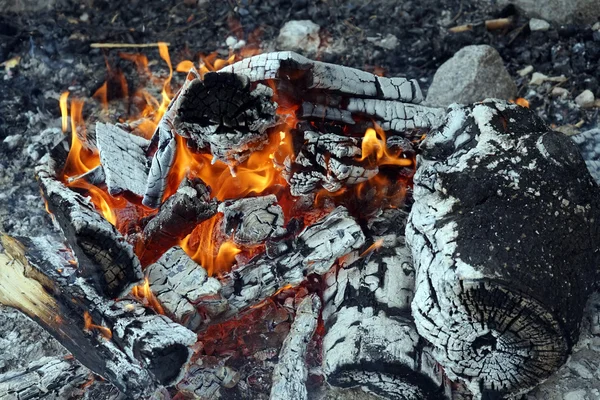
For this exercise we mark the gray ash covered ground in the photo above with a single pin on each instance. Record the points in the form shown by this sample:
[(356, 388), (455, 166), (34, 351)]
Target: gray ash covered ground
[(54, 46)]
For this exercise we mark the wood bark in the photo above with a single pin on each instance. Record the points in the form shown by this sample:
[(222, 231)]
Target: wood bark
[(105, 258), (505, 245), (132, 348)]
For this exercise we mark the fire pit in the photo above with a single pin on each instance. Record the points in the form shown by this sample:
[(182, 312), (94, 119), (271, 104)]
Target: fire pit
[(273, 204)]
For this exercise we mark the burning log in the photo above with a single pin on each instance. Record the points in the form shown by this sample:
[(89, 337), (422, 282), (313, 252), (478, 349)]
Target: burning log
[(371, 340), (162, 162), (179, 284), (252, 220), (504, 238), (118, 340), (291, 372), (123, 158), (49, 377), (105, 259), (94, 176), (314, 251), (178, 216)]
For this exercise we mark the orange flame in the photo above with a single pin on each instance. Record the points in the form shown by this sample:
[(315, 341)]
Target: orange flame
[(374, 146), (89, 325), (145, 295), (375, 246), (64, 113)]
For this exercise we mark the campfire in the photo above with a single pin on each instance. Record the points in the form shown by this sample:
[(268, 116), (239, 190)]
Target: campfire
[(271, 205)]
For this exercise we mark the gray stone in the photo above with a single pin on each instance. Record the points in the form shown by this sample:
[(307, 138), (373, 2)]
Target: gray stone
[(559, 11), (13, 141), (300, 36), (586, 99), (389, 42), (473, 74), (538, 25)]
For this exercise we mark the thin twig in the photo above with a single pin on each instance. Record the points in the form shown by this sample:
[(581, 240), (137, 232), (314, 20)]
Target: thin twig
[(125, 45)]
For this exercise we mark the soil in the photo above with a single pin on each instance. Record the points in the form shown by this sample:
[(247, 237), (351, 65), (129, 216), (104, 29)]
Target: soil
[(55, 55)]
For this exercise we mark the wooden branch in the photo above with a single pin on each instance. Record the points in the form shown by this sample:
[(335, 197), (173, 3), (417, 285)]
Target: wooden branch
[(126, 45), (291, 371), (105, 259), (504, 240), (119, 340)]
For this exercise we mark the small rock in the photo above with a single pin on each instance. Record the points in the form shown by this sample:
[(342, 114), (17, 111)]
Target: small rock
[(560, 92), (233, 43), (84, 17), (525, 71), (538, 25), (538, 78), (299, 36), (13, 141), (473, 74), (596, 26), (389, 42), (575, 395), (586, 99), (558, 11)]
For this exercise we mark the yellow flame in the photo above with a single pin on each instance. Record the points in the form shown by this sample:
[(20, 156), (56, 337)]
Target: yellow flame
[(64, 111)]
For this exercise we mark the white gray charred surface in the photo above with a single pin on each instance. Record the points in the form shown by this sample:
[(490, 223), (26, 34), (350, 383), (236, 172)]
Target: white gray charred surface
[(316, 249), (370, 338), (46, 378), (206, 382), (589, 146), (252, 220), (291, 371), (105, 258), (145, 351), (504, 238), (123, 158), (179, 283), (178, 216)]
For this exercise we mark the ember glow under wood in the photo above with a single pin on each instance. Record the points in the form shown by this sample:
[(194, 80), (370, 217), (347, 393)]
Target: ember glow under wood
[(504, 238), (132, 348)]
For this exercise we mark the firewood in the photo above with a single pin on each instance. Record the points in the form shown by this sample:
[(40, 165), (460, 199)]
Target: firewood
[(46, 378), (368, 326), (321, 111), (126, 344), (205, 382), (177, 217), (123, 158), (94, 176), (504, 239), (252, 220), (291, 372), (105, 258)]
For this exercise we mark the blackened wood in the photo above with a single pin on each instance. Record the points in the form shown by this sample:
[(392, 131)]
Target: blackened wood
[(291, 371), (179, 283), (104, 256), (504, 237), (121, 341), (252, 220), (370, 338), (123, 158), (177, 217)]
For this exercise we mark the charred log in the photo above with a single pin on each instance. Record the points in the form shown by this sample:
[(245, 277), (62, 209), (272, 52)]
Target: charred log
[(252, 220), (370, 338), (504, 240), (205, 382), (105, 259), (135, 350), (123, 158), (94, 176), (177, 217), (291, 372), (162, 161)]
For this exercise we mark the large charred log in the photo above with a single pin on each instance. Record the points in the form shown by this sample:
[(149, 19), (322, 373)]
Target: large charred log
[(126, 344), (370, 338), (504, 237), (105, 259)]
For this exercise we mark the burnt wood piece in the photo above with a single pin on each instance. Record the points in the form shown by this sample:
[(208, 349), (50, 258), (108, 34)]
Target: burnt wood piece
[(224, 114), (126, 344), (291, 371), (206, 381), (326, 161), (324, 76), (316, 249), (179, 283), (252, 220), (325, 112), (370, 338), (589, 146), (94, 176), (46, 378), (504, 237), (177, 217), (123, 158), (105, 258)]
